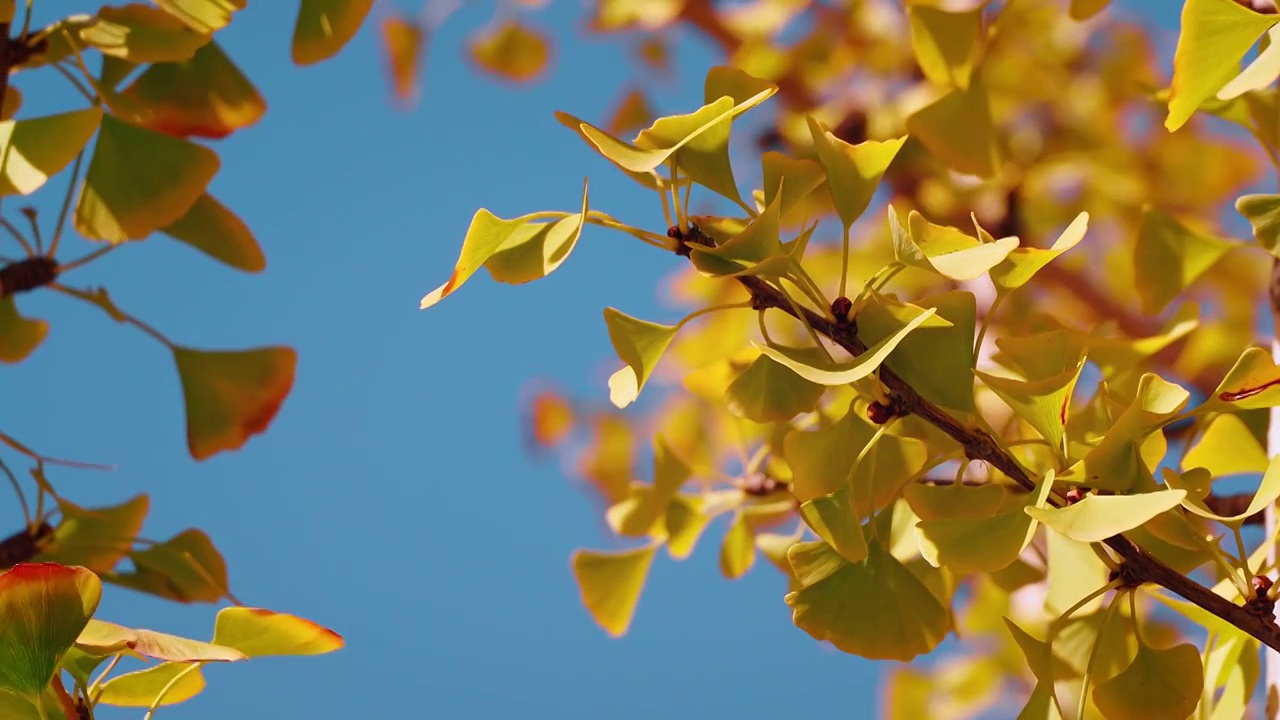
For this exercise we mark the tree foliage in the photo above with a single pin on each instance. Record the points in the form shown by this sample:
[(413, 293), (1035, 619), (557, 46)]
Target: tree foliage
[(969, 347)]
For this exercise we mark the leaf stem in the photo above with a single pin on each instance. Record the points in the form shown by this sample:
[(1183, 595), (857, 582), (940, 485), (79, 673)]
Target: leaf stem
[(84, 91), (659, 241), (118, 315), (86, 259), (94, 688), (17, 235), (713, 308), (986, 323), (17, 489), (844, 262), (1093, 655), (1065, 616), (66, 204), (169, 686)]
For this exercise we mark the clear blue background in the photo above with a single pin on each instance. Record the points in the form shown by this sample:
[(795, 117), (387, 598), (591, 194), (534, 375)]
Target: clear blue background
[(392, 499)]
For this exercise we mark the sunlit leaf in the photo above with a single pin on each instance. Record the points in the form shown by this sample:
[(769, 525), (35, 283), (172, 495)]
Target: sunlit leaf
[(616, 15), (512, 51), (911, 625), (641, 513), (640, 345), (856, 369), (1116, 462), (768, 392), (142, 34), (835, 519), (1252, 383), (1169, 257), (981, 544), (402, 46), (684, 524), (203, 16), (260, 633), (43, 608), (231, 395), (936, 361), (738, 551), (1266, 494), (1226, 447), (790, 179), (946, 250), (821, 460), (324, 27), (955, 500), (210, 227), (141, 687), (19, 336), (1263, 213), (758, 242), (187, 568), (1215, 35), (947, 44), (96, 538), (853, 171), (1044, 403), (105, 638), (551, 418), (1164, 683), (1098, 517), (538, 249), (36, 149), (1077, 573), (610, 584), (125, 199), (957, 128), (1022, 263), (205, 96)]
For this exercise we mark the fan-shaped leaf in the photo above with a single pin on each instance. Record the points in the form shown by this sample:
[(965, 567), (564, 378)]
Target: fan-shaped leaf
[(980, 544), (1215, 36), (1226, 447), (512, 51), (34, 150), (96, 538), (43, 608), (402, 44), (1266, 494), (210, 227), (1022, 263), (142, 34), (640, 345), (1157, 684), (203, 16), (949, 252), (958, 130), (858, 368), (179, 681), (853, 171), (1169, 257), (19, 336), (324, 27), (937, 362), (1252, 383), (835, 519), (1098, 517), (1043, 403), (738, 551), (610, 584), (232, 395), (947, 44), (205, 96), (768, 392), (1263, 213), (259, 633)]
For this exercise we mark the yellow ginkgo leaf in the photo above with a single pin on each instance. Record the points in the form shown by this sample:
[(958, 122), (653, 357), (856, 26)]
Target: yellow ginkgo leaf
[(512, 51)]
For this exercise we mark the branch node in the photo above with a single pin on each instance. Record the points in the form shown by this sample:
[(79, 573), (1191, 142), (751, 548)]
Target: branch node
[(1129, 575), (685, 240), (29, 274), (24, 545)]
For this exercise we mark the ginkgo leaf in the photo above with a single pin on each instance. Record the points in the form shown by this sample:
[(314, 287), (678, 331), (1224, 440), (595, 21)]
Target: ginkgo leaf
[(617, 15), (95, 538), (1098, 517), (738, 551), (36, 149), (758, 242), (947, 44), (853, 171), (1169, 256), (1258, 74), (981, 544), (552, 418), (897, 618), (632, 113), (956, 500), (107, 638), (1077, 574), (232, 395), (205, 96), (610, 584), (1116, 462), (1044, 403), (257, 632), (949, 252), (640, 345), (957, 128), (142, 34), (204, 16), (1263, 213), (43, 608), (19, 336), (936, 361), (1215, 35), (324, 27), (526, 256), (402, 44), (643, 511), (834, 518), (179, 681), (789, 180), (1022, 263), (1252, 383), (1266, 494), (768, 392), (1226, 447), (858, 368), (821, 461), (123, 199), (1084, 9), (647, 178), (211, 227), (1158, 684), (684, 524), (512, 51), (185, 568)]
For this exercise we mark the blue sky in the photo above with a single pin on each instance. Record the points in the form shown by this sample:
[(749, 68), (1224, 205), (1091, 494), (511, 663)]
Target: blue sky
[(391, 500)]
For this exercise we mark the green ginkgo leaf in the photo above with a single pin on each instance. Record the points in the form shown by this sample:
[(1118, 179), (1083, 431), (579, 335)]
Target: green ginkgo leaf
[(957, 128), (640, 514), (639, 344), (323, 27), (1040, 355), (649, 179), (1098, 517), (43, 608), (210, 227), (179, 681), (187, 568), (950, 252), (738, 551), (768, 392), (757, 243), (954, 500), (821, 460), (1077, 574), (610, 584), (1044, 403), (789, 180), (1158, 684), (95, 538), (1253, 382), (142, 34), (258, 632), (1259, 73), (947, 44), (684, 523), (232, 395), (981, 544), (1022, 263), (936, 361), (20, 336), (125, 199), (835, 519), (1226, 447), (1263, 213), (204, 16), (1116, 462), (1169, 257), (206, 96), (897, 617), (36, 149), (853, 171), (527, 256), (856, 369), (1215, 35), (1266, 494)]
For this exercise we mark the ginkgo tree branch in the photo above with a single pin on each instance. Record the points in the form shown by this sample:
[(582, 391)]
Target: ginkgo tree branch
[(1138, 566)]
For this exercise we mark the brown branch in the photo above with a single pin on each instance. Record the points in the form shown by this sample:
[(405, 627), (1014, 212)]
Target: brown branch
[(1138, 565)]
